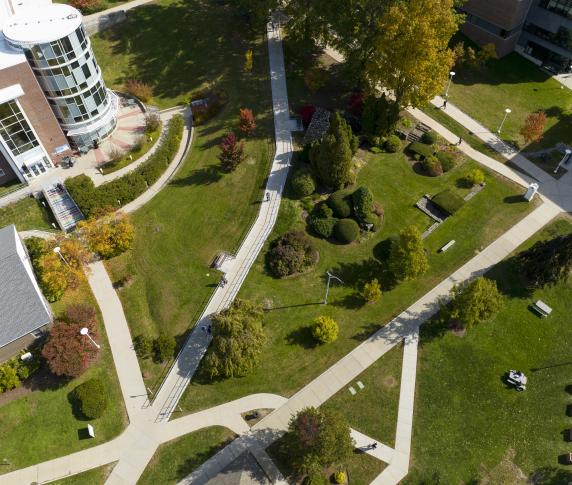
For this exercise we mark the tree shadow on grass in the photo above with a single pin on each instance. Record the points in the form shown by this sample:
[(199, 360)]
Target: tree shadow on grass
[(303, 337), (197, 459), (509, 280), (366, 331), (350, 302), (76, 407), (356, 274), (551, 475), (514, 199), (203, 176)]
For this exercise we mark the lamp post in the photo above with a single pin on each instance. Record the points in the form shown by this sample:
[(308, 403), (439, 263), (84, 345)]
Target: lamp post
[(85, 331), (58, 251), (506, 113), (330, 277), (451, 75), (566, 156)]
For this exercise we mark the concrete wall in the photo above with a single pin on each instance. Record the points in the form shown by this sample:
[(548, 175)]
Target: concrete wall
[(102, 22), (36, 108), (506, 14), (482, 37), (15, 347), (9, 174)]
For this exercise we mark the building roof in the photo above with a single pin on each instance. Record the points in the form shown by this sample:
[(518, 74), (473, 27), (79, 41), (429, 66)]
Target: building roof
[(23, 308), (42, 24)]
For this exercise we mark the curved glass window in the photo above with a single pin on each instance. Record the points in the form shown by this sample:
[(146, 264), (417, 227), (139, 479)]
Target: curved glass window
[(58, 51)]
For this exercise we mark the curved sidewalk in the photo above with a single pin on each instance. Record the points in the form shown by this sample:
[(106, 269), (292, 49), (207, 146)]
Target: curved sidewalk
[(196, 345)]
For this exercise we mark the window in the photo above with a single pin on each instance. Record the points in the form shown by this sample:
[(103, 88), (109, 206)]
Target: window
[(15, 130), (561, 7), (37, 334)]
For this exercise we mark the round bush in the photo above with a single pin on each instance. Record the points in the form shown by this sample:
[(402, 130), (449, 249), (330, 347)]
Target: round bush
[(340, 477), (340, 203), (92, 398), (448, 161), (475, 177), (325, 330), (429, 138), (393, 144), (302, 184), (373, 218), (291, 253), (362, 200), (322, 226), (322, 210), (432, 166), (346, 231)]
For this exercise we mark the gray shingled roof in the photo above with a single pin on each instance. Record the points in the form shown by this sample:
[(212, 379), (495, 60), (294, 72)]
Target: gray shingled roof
[(22, 306)]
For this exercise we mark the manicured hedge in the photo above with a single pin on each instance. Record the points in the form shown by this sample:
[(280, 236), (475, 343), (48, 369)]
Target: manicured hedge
[(448, 161), (429, 138), (421, 149), (340, 202), (302, 184), (123, 190), (92, 398), (322, 226), (392, 144), (362, 199), (449, 201), (346, 231)]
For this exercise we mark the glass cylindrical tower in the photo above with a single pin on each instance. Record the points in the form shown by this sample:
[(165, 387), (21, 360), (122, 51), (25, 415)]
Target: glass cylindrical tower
[(59, 52)]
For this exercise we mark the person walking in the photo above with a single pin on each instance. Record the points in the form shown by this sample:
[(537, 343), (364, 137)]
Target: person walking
[(267, 196), (460, 141), (445, 104), (373, 446)]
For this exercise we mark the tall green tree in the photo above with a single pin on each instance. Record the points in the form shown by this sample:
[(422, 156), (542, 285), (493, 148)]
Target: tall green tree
[(411, 57), (255, 11), (547, 262), (475, 302), (317, 439), (238, 339), (407, 258), (380, 115), (331, 158)]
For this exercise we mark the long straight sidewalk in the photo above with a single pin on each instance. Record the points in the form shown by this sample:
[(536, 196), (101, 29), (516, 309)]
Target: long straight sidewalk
[(196, 345)]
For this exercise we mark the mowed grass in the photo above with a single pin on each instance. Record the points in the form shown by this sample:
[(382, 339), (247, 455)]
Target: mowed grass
[(40, 425), (290, 352), (202, 211), (175, 459), (178, 47), (96, 476), (516, 83), (26, 214), (373, 409), (466, 416)]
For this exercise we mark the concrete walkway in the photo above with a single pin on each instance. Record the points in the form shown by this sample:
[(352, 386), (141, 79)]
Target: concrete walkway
[(194, 349), (119, 8)]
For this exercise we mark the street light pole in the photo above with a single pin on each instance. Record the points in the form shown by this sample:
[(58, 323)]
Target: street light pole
[(506, 113), (58, 251), (330, 276), (566, 156), (85, 331), (451, 74)]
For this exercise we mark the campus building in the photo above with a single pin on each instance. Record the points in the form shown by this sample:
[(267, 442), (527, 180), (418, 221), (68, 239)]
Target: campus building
[(539, 29), (24, 312), (52, 95)]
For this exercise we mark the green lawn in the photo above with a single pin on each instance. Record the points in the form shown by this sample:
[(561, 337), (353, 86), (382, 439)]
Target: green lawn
[(514, 82), (290, 352), (27, 214), (96, 476), (202, 211), (41, 425), (10, 187), (464, 414), (176, 459), (149, 141), (373, 409)]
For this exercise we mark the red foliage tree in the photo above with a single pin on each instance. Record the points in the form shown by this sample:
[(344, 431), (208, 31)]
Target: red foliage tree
[(67, 352), (306, 112), (86, 6), (247, 121), (231, 152), (533, 127)]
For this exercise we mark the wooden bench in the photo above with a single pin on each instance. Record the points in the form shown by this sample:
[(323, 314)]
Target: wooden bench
[(217, 261), (541, 308), (447, 246)]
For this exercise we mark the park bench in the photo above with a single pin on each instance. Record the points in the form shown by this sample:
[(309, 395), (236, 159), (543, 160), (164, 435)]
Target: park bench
[(541, 308), (568, 434), (218, 260), (447, 246)]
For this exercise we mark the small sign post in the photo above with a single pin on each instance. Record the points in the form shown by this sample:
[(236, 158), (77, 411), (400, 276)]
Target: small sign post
[(90, 431)]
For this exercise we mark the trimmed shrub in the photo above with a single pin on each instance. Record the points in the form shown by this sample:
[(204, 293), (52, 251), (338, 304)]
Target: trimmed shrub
[(429, 138), (448, 161), (392, 144), (375, 150), (290, 254), (421, 149), (449, 201), (346, 231), (139, 89), (325, 330), (322, 226), (316, 479), (92, 200), (152, 122), (362, 200), (302, 184), (340, 477), (143, 346), (164, 347), (8, 378), (340, 203), (432, 166), (373, 218), (475, 177), (322, 210), (371, 291), (92, 398)]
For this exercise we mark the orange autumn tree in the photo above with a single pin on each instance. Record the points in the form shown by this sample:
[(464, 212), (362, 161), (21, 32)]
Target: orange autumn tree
[(533, 127), (247, 121)]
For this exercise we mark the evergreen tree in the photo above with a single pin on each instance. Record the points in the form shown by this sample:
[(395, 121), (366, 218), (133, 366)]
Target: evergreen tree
[(407, 258), (380, 116), (547, 262), (331, 158)]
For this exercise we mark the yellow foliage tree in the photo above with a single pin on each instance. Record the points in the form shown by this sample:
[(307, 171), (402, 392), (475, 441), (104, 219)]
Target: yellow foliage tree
[(108, 236), (248, 61), (412, 56)]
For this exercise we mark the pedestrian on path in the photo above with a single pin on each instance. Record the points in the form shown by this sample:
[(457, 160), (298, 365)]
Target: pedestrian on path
[(445, 103), (223, 282), (209, 330), (373, 446), (460, 141), (267, 196)]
